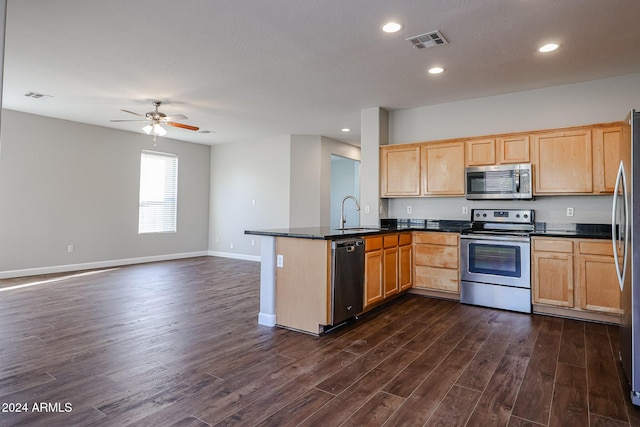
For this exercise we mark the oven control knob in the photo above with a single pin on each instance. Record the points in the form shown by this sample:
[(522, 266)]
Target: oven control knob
[(477, 214), (526, 216), (484, 215), (517, 215)]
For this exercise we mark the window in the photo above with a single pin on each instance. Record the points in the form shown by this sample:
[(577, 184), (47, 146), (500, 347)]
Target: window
[(158, 192)]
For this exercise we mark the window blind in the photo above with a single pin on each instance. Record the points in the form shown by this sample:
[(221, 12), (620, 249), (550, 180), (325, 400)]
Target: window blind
[(158, 192)]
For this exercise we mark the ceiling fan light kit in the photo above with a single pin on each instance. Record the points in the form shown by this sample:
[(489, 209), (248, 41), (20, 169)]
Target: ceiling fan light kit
[(155, 119)]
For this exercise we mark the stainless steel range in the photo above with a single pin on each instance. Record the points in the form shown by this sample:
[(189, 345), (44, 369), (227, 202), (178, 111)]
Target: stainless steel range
[(495, 259)]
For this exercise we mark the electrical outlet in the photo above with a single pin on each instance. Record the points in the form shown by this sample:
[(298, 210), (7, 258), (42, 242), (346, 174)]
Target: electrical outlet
[(366, 209), (253, 242), (569, 211), (280, 261), (230, 245), (70, 248), (465, 210), (409, 209)]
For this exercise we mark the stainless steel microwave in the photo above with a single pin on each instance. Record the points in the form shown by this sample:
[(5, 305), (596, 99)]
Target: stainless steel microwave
[(503, 182)]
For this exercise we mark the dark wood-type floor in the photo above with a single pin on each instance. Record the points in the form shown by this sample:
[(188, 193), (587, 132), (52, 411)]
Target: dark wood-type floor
[(177, 344)]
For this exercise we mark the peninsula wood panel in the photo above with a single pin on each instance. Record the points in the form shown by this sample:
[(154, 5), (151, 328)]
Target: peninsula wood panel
[(302, 287)]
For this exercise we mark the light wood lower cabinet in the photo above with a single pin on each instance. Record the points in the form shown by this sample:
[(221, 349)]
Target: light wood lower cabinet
[(387, 262), (405, 261), (390, 264), (575, 274), (436, 262)]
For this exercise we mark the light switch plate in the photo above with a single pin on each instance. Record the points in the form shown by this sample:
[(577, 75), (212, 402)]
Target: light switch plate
[(280, 261)]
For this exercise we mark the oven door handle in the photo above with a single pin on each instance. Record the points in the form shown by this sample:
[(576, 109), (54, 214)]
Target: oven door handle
[(519, 239)]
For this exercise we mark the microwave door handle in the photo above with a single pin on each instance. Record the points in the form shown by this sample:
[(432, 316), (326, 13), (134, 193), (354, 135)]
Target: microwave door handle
[(517, 171)]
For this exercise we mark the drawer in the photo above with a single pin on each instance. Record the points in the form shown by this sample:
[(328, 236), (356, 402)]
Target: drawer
[(436, 238), (441, 279), (405, 239), (390, 241), (603, 247), (373, 243), (553, 245), (436, 256)]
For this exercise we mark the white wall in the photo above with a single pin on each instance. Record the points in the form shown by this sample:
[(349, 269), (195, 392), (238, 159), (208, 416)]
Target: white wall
[(288, 176), (598, 101), (241, 173), (65, 183)]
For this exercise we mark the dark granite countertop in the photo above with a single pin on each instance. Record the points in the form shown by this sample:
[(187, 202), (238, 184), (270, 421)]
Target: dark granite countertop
[(573, 230), (585, 231)]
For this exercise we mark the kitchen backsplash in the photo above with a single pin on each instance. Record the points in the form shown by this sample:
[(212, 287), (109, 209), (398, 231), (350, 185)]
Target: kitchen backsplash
[(586, 209)]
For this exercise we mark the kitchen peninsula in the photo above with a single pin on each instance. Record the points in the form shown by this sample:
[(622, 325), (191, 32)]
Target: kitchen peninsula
[(397, 257), (299, 261)]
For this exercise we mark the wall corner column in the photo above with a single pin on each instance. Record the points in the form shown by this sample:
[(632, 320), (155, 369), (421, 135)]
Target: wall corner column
[(374, 131)]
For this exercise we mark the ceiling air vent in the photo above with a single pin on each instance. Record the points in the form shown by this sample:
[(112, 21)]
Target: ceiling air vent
[(35, 95), (430, 39)]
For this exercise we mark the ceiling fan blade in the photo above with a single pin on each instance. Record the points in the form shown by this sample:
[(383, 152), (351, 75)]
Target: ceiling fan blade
[(128, 120), (135, 114), (176, 117), (183, 126)]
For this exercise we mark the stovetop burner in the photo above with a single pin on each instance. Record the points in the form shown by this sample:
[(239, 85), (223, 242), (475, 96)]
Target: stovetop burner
[(504, 221)]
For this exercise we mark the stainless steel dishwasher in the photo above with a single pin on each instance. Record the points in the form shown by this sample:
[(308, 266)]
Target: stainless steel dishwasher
[(347, 279)]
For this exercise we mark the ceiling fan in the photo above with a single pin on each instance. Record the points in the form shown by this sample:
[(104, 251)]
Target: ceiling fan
[(156, 119)]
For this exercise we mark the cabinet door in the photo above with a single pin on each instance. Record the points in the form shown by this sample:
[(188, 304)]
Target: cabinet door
[(552, 278), (372, 278), (390, 271), (400, 171), (442, 169), (597, 276), (481, 152), (513, 149), (562, 162), (404, 265), (606, 158)]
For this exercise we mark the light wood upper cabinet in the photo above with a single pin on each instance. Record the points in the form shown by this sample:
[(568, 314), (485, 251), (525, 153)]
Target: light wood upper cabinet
[(578, 160), (563, 162), (400, 171), (481, 152), (442, 169), (513, 149), (607, 153)]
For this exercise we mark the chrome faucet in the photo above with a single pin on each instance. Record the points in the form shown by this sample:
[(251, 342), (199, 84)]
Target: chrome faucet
[(343, 220)]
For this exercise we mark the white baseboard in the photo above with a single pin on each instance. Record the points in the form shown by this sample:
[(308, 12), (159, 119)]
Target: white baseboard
[(235, 256), (267, 319), (98, 264)]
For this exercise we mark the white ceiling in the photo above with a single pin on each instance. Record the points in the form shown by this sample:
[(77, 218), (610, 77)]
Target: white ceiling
[(251, 69)]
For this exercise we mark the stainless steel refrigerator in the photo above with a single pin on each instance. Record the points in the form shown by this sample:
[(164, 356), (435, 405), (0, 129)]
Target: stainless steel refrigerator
[(625, 225)]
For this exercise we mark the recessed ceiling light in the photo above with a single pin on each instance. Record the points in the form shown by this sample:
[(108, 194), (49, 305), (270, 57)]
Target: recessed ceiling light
[(391, 27), (345, 130), (549, 47), (436, 70)]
